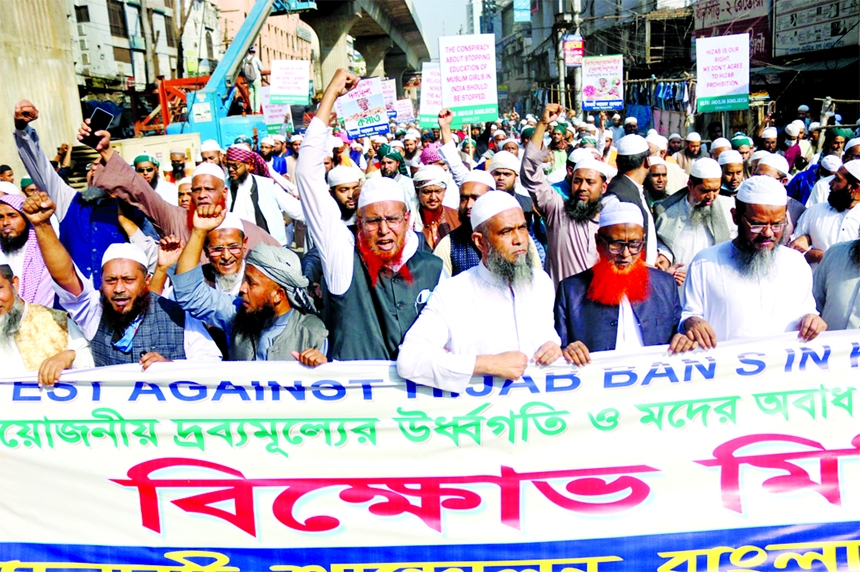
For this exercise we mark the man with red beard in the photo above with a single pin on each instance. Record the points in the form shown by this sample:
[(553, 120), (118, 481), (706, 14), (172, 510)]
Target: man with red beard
[(431, 182), (377, 282), (620, 303), (491, 319), (207, 188)]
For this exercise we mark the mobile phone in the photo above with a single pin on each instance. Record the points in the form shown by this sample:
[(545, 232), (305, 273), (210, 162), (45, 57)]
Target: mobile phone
[(99, 121)]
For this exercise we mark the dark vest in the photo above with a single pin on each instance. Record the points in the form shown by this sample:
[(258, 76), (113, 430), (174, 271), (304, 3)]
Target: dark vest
[(367, 322), (304, 331), (464, 254), (161, 331), (627, 192)]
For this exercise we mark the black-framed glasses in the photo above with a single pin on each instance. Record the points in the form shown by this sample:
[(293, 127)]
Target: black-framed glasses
[(219, 250), (758, 228), (393, 222), (618, 246)]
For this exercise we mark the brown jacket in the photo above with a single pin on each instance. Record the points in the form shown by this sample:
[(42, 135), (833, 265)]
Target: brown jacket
[(436, 230)]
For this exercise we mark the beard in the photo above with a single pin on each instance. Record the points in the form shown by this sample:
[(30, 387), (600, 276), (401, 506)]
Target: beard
[(840, 200), (701, 214), (118, 322), (251, 323), (376, 259), (610, 284), (93, 194), (581, 211), (752, 263), (511, 274), (235, 182), (10, 244), (389, 175), (226, 282), (346, 212), (10, 322)]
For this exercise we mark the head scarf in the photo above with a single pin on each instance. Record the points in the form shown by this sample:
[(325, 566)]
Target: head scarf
[(740, 140), (34, 264), (386, 150), (430, 154), (239, 153), (839, 132), (283, 267), (26, 182), (146, 157)]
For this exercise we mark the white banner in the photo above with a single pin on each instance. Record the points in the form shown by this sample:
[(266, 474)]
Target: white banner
[(290, 82), (723, 73), (467, 65)]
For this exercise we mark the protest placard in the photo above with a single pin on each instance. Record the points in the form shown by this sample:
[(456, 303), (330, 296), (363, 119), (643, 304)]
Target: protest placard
[(363, 109), (389, 96), (602, 83), (274, 114), (405, 110), (290, 81), (467, 65), (723, 73)]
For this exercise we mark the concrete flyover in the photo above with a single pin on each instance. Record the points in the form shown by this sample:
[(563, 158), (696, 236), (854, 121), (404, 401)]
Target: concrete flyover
[(387, 33)]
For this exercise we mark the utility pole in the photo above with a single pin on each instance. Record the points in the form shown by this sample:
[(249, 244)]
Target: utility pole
[(562, 19)]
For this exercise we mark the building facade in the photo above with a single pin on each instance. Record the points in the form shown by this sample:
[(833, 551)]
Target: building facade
[(281, 37)]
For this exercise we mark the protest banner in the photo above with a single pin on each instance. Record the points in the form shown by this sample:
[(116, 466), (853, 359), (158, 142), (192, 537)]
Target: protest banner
[(574, 50), (290, 81), (467, 65), (430, 103), (274, 114), (405, 110), (362, 110), (389, 96), (742, 457), (723, 73), (602, 83)]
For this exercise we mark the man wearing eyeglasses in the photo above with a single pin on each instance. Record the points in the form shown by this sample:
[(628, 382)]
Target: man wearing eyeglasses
[(619, 303), (377, 281), (751, 286), (431, 182)]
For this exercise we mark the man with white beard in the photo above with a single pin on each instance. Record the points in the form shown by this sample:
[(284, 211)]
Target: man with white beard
[(751, 286), (492, 319), (36, 338)]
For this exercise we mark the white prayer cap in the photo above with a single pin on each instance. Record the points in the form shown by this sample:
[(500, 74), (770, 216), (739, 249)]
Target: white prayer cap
[(591, 163), (279, 137), (210, 145), (650, 133), (127, 251), (185, 181), (177, 150), (706, 168), (578, 155), (778, 162), (479, 176), (758, 155), (731, 157), (297, 137), (589, 119), (267, 141), (831, 163), (231, 221), (657, 161), (507, 141), (761, 190), (675, 136), (851, 143), (334, 142), (523, 122), (607, 134), (792, 130), (814, 125), (853, 167), (693, 137), (803, 108), (342, 175), (209, 169), (630, 120), (396, 143), (379, 190), (378, 139), (590, 128), (500, 132), (490, 204), (721, 142), (658, 141), (617, 212), (616, 116), (504, 160), (412, 135), (800, 124), (769, 133), (631, 145), (430, 176), (10, 189)]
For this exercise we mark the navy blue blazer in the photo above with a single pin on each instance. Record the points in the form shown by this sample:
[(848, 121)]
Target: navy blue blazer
[(579, 319)]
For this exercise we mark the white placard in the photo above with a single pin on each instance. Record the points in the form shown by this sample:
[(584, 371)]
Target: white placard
[(468, 74), (723, 73), (289, 82)]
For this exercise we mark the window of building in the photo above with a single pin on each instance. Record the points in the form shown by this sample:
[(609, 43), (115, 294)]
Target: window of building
[(210, 48), (82, 14), (116, 15), (122, 55), (169, 32)]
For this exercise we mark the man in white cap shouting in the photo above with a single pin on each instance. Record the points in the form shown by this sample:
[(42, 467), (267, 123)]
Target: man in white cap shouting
[(491, 319), (751, 286), (124, 321), (692, 151), (571, 222), (694, 220), (208, 186), (377, 282), (837, 220), (633, 166), (620, 303), (732, 167), (272, 318)]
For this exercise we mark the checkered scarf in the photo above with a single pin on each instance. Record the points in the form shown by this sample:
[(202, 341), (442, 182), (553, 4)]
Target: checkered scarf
[(34, 264), (239, 153)]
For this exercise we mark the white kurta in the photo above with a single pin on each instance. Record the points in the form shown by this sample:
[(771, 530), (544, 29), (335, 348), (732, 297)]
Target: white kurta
[(827, 226), (820, 191), (629, 336), (747, 307), (471, 315), (167, 191), (13, 363)]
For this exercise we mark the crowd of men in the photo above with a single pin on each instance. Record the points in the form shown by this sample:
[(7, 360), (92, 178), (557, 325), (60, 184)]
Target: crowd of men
[(456, 254)]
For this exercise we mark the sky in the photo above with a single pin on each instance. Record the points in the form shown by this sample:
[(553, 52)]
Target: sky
[(440, 18)]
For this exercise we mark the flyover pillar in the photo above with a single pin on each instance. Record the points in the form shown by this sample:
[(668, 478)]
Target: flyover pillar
[(332, 27), (374, 50), (395, 65)]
